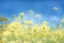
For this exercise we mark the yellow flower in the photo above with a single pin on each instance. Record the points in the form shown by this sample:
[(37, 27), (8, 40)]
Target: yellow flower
[(11, 42), (37, 16), (1, 41), (44, 22), (22, 14), (26, 42), (60, 26), (48, 28), (57, 42), (30, 11), (6, 33), (28, 22), (53, 39), (4, 39), (35, 28), (14, 26), (62, 20)]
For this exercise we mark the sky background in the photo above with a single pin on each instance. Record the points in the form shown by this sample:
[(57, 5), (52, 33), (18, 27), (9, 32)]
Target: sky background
[(42, 7)]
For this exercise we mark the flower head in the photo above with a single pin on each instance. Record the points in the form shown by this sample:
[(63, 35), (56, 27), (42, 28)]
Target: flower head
[(30, 11), (28, 22), (37, 16), (22, 14)]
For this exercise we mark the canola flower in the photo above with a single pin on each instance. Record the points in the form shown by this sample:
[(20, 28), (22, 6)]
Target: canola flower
[(55, 8), (28, 32), (37, 16), (29, 22), (30, 11), (14, 16), (22, 14), (62, 20)]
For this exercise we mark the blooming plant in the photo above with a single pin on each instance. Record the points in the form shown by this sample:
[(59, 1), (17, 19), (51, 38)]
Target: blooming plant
[(25, 31)]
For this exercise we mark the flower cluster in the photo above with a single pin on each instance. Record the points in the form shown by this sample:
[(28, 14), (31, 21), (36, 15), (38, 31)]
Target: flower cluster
[(25, 31)]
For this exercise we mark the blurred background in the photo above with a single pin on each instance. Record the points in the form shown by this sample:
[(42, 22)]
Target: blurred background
[(50, 10)]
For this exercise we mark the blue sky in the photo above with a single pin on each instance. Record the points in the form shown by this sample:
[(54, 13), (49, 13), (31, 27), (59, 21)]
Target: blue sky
[(43, 7)]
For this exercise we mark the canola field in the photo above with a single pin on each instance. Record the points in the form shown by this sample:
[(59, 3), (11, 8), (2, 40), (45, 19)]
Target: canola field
[(25, 31)]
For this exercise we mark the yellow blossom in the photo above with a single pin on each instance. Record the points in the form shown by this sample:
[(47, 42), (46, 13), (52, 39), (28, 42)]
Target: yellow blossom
[(37, 16), (62, 20), (6, 33), (30, 11), (21, 15), (28, 22)]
